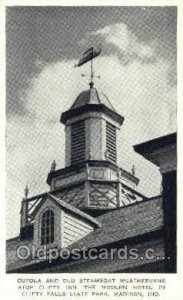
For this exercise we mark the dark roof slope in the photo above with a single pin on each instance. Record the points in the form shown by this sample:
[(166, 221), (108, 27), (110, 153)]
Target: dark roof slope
[(12, 260), (90, 100), (126, 222), (90, 96)]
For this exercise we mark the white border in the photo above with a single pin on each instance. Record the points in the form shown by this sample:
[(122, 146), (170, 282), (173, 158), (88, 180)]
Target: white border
[(174, 289)]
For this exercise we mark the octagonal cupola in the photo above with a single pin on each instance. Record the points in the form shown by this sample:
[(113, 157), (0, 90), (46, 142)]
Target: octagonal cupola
[(91, 128)]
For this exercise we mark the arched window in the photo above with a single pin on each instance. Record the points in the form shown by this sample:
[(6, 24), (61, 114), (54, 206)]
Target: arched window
[(47, 227)]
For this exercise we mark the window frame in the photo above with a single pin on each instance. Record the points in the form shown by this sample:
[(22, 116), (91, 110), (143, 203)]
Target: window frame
[(47, 230)]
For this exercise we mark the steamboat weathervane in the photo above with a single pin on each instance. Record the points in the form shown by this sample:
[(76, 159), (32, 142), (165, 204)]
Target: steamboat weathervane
[(87, 56)]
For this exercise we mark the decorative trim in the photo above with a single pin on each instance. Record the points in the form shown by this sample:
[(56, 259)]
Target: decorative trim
[(95, 163)]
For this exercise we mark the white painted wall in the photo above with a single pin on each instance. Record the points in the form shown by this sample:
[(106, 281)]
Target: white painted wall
[(73, 229)]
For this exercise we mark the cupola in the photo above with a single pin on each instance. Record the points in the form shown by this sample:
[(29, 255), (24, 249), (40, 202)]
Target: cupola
[(91, 128)]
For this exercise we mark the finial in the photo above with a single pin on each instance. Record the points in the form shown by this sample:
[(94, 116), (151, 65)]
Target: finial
[(133, 170), (26, 191), (53, 166), (91, 84)]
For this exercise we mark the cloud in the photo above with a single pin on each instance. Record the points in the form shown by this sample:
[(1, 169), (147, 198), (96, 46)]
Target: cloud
[(119, 40), (35, 139)]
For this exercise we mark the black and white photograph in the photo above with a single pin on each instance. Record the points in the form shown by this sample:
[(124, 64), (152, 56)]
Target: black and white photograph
[(91, 139)]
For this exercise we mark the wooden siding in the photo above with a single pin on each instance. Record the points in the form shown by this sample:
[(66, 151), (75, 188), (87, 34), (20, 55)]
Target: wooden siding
[(74, 229)]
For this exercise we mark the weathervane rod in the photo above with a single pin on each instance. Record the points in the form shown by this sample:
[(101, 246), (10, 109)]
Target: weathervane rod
[(91, 75)]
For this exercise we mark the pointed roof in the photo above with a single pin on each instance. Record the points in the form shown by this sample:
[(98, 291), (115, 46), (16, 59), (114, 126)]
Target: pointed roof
[(87, 97), (91, 100), (91, 96)]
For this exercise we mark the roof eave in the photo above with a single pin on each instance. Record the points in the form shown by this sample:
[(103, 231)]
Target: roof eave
[(76, 211), (151, 149), (156, 144), (94, 108)]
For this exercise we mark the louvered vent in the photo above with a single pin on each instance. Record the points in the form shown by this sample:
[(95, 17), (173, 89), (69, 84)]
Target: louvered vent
[(111, 142), (78, 142)]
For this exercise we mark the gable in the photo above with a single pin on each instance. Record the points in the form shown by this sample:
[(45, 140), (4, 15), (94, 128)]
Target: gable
[(46, 203), (70, 224)]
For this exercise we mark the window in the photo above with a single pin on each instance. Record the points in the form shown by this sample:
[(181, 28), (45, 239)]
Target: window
[(47, 227), (78, 142), (111, 142)]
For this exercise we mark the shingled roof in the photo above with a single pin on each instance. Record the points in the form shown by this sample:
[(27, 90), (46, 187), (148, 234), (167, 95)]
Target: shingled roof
[(121, 224), (126, 222)]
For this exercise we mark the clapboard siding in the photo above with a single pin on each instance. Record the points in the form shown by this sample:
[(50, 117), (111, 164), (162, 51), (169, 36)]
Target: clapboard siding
[(74, 229), (75, 221)]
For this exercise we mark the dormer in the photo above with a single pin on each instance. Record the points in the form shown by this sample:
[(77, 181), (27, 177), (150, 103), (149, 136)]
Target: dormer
[(58, 224)]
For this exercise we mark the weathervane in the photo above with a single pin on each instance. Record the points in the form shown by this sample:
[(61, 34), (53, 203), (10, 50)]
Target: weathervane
[(89, 55)]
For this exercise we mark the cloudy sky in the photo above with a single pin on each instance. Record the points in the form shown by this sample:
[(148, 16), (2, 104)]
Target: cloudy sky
[(138, 74)]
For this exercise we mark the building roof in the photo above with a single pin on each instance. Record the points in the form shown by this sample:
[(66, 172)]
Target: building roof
[(156, 144), (91, 96), (160, 151), (91, 100), (124, 223), (128, 222)]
